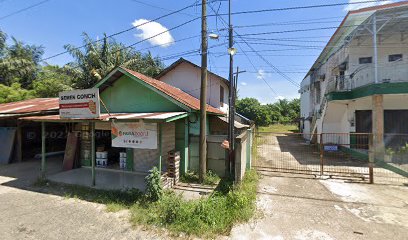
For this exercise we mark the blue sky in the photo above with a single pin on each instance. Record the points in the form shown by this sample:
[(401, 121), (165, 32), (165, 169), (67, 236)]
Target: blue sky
[(55, 23)]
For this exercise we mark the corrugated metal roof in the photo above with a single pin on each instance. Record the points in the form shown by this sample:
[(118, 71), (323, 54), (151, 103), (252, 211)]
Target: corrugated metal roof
[(30, 106), (107, 117), (236, 124)]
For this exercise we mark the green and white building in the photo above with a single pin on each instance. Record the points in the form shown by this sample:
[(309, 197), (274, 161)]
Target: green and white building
[(359, 82)]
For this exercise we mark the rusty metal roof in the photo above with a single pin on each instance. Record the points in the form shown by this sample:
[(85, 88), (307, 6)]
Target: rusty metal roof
[(30, 106), (107, 117)]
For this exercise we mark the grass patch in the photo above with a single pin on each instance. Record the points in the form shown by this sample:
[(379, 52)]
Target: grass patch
[(210, 178), (206, 217), (279, 128)]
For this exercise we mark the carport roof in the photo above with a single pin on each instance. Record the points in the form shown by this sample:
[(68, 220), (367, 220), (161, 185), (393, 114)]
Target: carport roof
[(158, 116), (30, 106)]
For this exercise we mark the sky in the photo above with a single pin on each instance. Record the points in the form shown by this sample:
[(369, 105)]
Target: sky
[(284, 41)]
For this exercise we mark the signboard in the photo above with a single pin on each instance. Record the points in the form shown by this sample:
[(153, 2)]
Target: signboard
[(134, 135), (331, 148), (79, 103)]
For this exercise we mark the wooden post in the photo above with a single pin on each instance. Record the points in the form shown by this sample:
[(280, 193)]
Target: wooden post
[(203, 95), (321, 154), (93, 152), (371, 158), (43, 150)]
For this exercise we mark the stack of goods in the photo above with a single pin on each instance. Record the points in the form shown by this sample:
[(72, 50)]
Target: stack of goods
[(101, 159), (122, 160), (173, 165)]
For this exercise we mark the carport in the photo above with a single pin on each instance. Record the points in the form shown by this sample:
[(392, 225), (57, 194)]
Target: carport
[(111, 178)]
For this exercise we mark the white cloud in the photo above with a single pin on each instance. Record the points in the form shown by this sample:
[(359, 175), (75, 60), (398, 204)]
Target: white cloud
[(279, 97), (369, 3), (243, 83), (151, 29), (261, 74)]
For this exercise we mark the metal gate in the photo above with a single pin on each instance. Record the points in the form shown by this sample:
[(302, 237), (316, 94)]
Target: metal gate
[(333, 155), (336, 155)]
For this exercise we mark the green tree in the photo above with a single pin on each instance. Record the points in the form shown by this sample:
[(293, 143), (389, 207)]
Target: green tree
[(19, 62), (14, 93), (252, 109), (50, 81), (93, 62), (283, 111)]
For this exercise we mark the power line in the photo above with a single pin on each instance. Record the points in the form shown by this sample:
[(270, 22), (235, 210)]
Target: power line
[(300, 7), (23, 9), (123, 31), (248, 58)]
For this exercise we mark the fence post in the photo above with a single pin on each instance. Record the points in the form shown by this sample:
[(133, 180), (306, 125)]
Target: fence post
[(371, 158), (321, 154)]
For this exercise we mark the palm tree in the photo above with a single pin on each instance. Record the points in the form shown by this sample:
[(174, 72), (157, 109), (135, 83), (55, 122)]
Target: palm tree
[(19, 62), (98, 58)]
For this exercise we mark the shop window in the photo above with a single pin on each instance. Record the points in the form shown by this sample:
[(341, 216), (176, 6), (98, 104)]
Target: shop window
[(394, 57), (365, 60)]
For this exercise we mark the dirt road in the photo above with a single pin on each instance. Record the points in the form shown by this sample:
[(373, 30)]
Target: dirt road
[(27, 214), (297, 207)]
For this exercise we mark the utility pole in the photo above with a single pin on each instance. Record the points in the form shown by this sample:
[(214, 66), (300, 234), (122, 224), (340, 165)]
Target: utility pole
[(230, 158), (203, 94)]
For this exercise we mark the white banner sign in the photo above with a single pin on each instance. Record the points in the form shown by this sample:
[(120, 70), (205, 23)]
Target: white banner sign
[(134, 135), (80, 103)]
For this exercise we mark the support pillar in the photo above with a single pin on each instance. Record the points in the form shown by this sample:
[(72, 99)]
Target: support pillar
[(19, 142), (43, 170), (375, 58), (378, 126), (93, 152), (160, 148)]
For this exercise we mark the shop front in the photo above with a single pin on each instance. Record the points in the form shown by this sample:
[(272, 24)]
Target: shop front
[(128, 123)]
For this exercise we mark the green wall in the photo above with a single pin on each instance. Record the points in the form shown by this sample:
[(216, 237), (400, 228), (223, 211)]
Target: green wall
[(127, 96), (372, 89), (182, 143)]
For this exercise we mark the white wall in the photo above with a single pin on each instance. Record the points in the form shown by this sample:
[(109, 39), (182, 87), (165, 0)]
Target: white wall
[(339, 113), (305, 104), (188, 78)]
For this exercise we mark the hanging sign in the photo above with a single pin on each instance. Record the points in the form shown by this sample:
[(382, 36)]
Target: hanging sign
[(79, 103), (134, 135)]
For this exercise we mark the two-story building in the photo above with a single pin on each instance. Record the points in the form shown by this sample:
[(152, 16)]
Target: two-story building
[(359, 82)]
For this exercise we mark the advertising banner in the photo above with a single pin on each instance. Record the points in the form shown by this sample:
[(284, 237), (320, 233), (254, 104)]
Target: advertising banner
[(79, 103), (134, 135)]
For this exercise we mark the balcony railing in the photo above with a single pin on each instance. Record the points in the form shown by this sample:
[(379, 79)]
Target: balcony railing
[(390, 73)]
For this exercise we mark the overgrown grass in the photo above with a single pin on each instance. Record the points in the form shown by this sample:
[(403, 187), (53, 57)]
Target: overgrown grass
[(192, 177), (279, 128), (206, 217)]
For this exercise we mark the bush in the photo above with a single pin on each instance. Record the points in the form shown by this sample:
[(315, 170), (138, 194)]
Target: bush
[(210, 178), (154, 189), (204, 217)]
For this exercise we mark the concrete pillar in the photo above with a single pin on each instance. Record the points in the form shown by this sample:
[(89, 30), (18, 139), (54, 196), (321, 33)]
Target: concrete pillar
[(160, 147), (43, 150), (93, 152), (378, 126), (19, 142)]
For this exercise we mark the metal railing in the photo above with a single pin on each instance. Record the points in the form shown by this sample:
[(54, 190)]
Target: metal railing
[(365, 75), (336, 155)]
